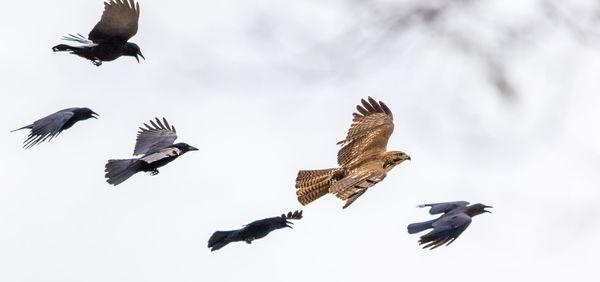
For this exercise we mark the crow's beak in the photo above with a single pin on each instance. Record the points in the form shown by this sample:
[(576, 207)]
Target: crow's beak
[(96, 115), (193, 148), (289, 222), (488, 207), (141, 55)]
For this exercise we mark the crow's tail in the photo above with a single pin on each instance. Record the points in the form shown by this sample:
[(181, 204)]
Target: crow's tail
[(418, 227), (313, 184), (219, 239), (24, 127), (63, 48), (118, 171)]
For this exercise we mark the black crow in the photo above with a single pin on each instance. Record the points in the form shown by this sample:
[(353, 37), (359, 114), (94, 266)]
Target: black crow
[(155, 143), (108, 40), (454, 221), (255, 230), (49, 127)]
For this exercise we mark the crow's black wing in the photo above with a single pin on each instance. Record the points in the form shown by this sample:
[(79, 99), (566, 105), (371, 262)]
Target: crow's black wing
[(444, 207), (119, 22), (154, 137), (446, 230), (47, 128)]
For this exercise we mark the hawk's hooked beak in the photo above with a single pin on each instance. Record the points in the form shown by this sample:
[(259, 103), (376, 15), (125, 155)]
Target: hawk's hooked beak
[(140, 54), (408, 157), (96, 115)]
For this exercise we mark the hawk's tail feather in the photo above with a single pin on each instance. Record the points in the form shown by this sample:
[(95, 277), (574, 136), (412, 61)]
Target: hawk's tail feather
[(118, 171), (313, 184)]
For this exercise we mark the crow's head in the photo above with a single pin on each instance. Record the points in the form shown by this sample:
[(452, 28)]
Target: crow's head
[(477, 209), (394, 158), (86, 113), (183, 147), (132, 49)]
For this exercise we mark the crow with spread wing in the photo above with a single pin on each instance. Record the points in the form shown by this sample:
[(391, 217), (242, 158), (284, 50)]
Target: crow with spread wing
[(155, 143), (364, 158), (49, 127), (454, 221), (108, 40), (255, 230)]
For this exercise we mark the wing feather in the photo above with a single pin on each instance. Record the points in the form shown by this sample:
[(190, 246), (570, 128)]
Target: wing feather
[(369, 133), (119, 21), (438, 208), (446, 230), (154, 137), (47, 128)]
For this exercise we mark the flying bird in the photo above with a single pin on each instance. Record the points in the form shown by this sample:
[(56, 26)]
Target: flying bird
[(49, 127), (155, 144), (255, 230), (446, 228), (364, 160), (108, 39)]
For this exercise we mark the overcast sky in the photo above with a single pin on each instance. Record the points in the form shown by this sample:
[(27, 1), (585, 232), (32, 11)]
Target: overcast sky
[(266, 88)]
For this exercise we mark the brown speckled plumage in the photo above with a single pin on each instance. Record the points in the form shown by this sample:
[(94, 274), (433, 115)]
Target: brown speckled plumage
[(363, 159)]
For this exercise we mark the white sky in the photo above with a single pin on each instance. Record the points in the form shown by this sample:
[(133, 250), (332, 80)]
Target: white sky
[(258, 88)]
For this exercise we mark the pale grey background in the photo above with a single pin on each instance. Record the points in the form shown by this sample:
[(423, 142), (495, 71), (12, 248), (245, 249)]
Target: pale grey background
[(496, 103)]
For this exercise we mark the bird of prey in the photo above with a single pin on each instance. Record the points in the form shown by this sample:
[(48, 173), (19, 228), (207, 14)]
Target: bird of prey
[(49, 127), (454, 221), (255, 230), (364, 160), (155, 143), (108, 39)]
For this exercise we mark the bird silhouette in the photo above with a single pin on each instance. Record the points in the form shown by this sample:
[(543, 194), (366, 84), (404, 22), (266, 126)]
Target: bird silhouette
[(49, 127), (454, 221), (252, 231), (364, 158), (155, 143), (108, 39)]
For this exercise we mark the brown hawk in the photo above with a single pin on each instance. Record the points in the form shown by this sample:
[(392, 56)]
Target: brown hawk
[(363, 159)]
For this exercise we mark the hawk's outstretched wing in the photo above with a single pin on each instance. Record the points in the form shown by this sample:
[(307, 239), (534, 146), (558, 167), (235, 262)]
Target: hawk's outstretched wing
[(444, 207), (368, 136), (154, 137), (47, 128), (119, 21)]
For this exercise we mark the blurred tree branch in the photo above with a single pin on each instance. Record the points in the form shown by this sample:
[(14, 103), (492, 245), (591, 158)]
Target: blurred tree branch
[(379, 22)]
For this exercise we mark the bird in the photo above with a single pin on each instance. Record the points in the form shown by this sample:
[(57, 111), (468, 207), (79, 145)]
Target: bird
[(155, 144), (364, 160), (50, 126), (454, 221), (108, 39), (252, 231)]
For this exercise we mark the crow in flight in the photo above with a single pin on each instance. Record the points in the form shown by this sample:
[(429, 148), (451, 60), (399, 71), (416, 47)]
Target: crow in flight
[(454, 221), (255, 230), (155, 143), (108, 40), (364, 160), (52, 125)]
